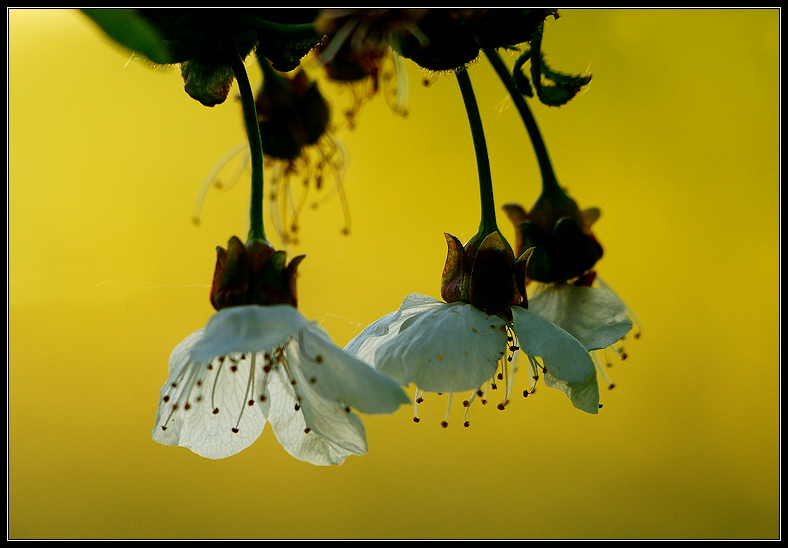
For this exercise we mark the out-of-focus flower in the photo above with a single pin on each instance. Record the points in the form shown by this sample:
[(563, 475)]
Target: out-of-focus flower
[(357, 51), (259, 360), (451, 38), (203, 41), (302, 154), (458, 345), (300, 148)]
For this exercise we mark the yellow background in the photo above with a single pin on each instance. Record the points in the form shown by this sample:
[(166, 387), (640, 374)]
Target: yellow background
[(676, 140)]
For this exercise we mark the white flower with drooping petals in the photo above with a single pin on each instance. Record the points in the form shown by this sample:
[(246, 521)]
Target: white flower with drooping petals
[(593, 314), (455, 347), (254, 364)]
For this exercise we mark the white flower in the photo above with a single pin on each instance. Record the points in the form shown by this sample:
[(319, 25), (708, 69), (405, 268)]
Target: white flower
[(255, 364), (455, 347), (594, 315)]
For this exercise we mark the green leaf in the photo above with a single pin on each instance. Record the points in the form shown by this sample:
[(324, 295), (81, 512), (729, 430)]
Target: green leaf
[(129, 29), (560, 87)]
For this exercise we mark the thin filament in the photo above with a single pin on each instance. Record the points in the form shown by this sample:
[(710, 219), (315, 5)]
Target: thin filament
[(247, 398)]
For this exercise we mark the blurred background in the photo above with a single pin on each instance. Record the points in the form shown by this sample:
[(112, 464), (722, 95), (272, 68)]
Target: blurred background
[(676, 140)]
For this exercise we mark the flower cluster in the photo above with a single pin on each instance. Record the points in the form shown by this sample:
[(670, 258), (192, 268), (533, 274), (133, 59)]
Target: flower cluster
[(539, 304), (459, 345)]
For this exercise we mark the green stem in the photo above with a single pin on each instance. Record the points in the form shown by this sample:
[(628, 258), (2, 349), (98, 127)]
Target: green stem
[(549, 180), (256, 226), (488, 225)]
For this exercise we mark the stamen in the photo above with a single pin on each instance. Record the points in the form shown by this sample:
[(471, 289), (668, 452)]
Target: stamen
[(279, 173), (467, 404), (533, 370), (249, 386), (483, 394), (512, 349), (333, 159), (400, 101), (336, 42), (295, 206), (318, 359), (416, 401), (601, 370), (285, 206), (215, 382), (211, 178), (445, 421), (182, 388), (281, 358)]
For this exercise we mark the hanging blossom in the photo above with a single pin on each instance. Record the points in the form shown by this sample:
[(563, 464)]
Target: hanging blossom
[(302, 154), (357, 52), (564, 286), (484, 320), (259, 360), (449, 39)]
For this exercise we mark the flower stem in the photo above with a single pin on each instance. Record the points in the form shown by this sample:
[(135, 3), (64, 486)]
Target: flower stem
[(256, 226), (488, 224), (549, 180)]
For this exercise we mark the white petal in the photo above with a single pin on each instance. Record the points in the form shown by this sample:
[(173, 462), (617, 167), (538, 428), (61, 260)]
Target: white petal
[(365, 344), (584, 396), (309, 427), (188, 402), (248, 328), (595, 317), (339, 377), (449, 348), (568, 363)]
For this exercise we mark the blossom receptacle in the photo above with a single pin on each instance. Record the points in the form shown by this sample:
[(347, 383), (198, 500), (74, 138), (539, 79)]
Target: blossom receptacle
[(483, 273), (253, 273)]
